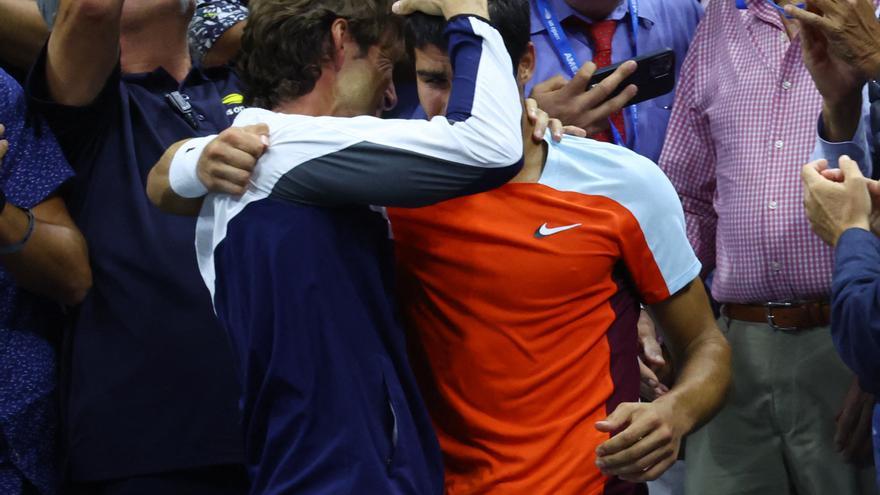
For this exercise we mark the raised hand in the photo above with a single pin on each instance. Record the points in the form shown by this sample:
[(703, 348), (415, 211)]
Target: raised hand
[(445, 8), (576, 103)]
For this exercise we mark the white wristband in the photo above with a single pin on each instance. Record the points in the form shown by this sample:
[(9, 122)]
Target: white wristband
[(183, 175)]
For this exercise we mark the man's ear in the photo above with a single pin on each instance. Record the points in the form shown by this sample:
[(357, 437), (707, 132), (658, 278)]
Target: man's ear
[(527, 63), (338, 35)]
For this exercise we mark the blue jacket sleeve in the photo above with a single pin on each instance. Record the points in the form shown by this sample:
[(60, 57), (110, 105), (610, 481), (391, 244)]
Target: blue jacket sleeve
[(855, 300)]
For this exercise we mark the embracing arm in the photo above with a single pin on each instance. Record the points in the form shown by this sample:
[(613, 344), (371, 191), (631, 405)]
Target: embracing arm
[(54, 262), (478, 145), (159, 187)]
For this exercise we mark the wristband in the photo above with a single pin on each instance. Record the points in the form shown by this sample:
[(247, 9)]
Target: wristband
[(18, 246), (183, 174)]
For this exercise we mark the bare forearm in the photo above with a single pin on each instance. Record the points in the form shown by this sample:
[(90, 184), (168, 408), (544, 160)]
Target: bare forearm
[(54, 261), (83, 49), (22, 32), (702, 382), (841, 118), (159, 188)]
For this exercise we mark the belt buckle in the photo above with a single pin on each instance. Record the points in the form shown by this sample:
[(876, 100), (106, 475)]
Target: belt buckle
[(771, 318)]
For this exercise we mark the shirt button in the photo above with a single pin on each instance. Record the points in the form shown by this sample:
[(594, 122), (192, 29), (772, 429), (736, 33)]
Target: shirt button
[(778, 144), (775, 266), (772, 205), (786, 85)]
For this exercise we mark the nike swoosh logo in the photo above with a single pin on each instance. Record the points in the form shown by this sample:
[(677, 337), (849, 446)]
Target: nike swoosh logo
[(187, 151), (545, 231)]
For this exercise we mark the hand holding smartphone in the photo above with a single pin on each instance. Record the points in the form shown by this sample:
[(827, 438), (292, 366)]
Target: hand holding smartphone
[(654, 76)]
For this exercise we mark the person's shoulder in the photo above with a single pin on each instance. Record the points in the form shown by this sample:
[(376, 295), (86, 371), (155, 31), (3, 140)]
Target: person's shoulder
[(604, 169)]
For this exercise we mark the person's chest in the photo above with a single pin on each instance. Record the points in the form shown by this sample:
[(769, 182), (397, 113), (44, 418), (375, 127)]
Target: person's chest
[(520, 246)]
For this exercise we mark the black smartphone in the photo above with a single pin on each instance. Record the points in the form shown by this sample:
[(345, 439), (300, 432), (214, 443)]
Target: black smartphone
[(655, 76)]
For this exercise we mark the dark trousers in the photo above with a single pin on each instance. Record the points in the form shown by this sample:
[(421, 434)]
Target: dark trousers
[(216, 480)]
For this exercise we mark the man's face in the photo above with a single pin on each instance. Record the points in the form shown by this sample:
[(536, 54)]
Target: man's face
[(433, 79), (364, 83)]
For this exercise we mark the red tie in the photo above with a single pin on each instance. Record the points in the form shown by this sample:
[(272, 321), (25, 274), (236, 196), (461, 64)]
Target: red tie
[(602, 33)]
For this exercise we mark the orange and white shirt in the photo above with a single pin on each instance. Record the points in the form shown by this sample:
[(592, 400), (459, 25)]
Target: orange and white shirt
[(524, 303)]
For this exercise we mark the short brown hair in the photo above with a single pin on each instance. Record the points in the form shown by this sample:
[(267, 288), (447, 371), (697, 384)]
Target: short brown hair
[(286, 42)]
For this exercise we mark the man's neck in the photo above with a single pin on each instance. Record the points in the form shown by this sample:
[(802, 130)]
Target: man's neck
[(534, 158), (320, 101), (162, 45)]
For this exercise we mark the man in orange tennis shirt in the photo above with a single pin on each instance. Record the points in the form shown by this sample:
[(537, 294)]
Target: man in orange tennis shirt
[(523, 303)]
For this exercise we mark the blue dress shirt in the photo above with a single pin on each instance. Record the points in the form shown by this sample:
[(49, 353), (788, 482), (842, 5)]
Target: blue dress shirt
[(32, 170), (662, 24)]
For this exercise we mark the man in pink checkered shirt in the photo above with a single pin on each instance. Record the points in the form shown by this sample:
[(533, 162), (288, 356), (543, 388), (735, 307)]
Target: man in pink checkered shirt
[(744, 122)]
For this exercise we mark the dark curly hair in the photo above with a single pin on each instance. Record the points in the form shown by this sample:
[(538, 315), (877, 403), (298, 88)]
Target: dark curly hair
[(510, 17), (286, 42)]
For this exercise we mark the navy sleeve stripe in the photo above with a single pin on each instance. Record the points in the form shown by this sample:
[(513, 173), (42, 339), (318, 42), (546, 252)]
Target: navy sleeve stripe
[(373, 174), (465, 52)]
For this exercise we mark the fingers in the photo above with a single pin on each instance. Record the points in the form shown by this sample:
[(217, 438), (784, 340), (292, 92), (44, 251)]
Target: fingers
[(860, 435), (652, 353), (810, 172), (581, 81), (617, 103), (808, 18), (532, 110), (874, 189), (617, 419), (603, 90), (636, 428), (640, 457), (572, 130), (252, 143), (407, 7), (555, 83), (2, 130), (833, 174), (653, 473), (849, 168), (557, 130), (650, 387), (261, 130), (541, 123)]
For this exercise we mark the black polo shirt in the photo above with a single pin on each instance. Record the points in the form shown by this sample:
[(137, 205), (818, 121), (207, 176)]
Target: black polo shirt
[(149, 383)]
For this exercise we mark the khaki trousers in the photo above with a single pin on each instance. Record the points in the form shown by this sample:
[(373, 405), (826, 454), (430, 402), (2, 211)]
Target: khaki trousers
[(775, 435)]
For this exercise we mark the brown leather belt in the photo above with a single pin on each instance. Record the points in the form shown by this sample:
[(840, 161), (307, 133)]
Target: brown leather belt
[(782, 316)]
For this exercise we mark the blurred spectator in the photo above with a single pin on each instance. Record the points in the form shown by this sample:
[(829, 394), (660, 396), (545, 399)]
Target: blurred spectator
[(42, 254), (842, 214), (842, 51), (745, 113), (215, 31), (150, 393), (22, 34), (609, 31)]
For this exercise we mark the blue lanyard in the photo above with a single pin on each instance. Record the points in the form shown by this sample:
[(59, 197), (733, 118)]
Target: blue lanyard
[(566, 54), (741, 4)]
